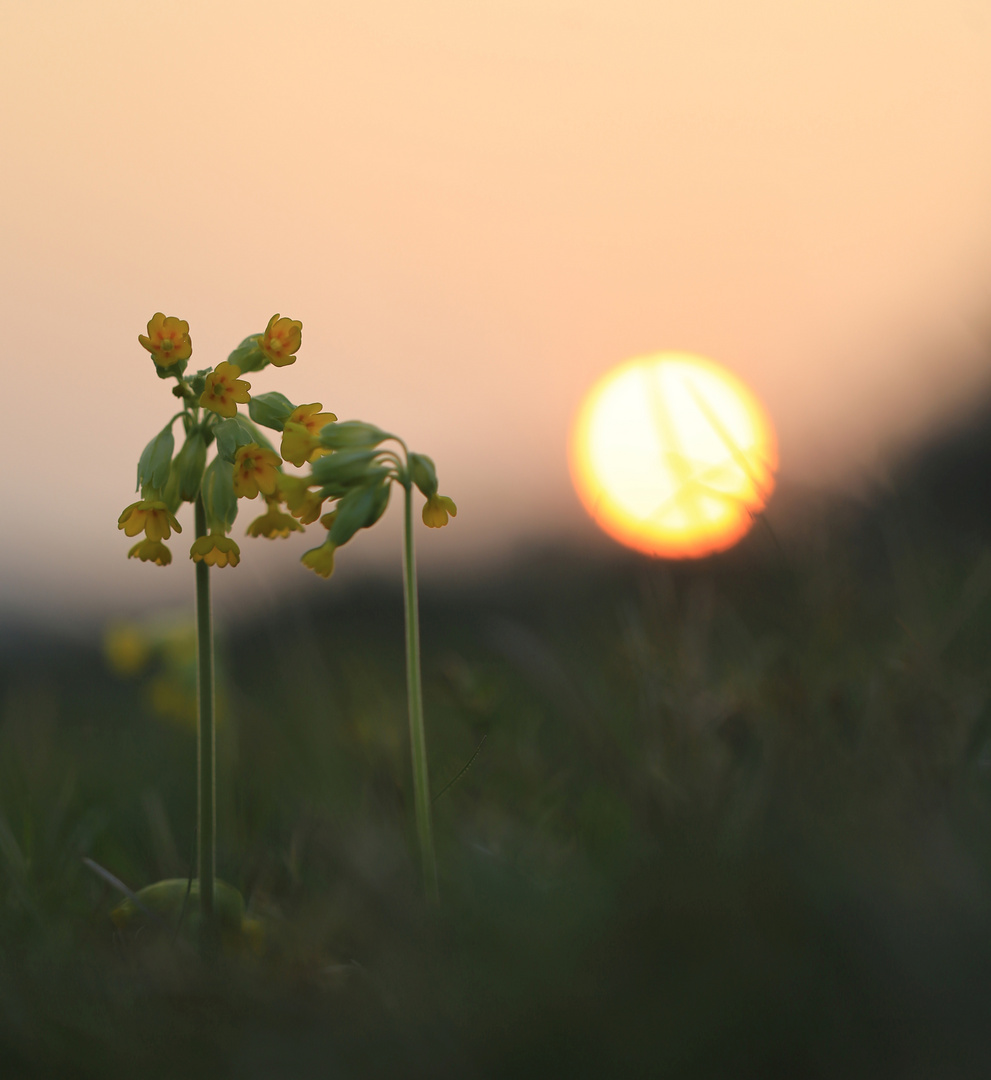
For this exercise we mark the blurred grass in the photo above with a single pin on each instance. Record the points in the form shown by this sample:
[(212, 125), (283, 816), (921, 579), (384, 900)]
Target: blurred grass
[(728, 819)]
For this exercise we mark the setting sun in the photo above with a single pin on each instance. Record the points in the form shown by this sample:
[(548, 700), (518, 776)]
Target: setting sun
[(672, 455)]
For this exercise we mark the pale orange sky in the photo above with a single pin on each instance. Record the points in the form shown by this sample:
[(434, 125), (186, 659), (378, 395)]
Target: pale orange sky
[(476, 208)]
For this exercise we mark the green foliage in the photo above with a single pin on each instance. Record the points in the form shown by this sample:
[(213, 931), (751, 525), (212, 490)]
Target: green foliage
[(726, 819), (173, 901)]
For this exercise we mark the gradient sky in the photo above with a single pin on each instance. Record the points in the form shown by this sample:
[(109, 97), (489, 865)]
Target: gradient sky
[(476, 208)]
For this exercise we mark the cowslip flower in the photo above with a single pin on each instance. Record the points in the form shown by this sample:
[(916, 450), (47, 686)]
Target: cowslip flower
[(320, 560), (151, 515), (303, 504), (224, 390), (151, 551), (436, 511), (168, 339), (281, 340), (255, 469), (215, 550), (274, 523), (300, 435)]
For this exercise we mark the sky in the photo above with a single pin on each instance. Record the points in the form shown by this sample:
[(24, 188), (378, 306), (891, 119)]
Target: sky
[(476, 209)]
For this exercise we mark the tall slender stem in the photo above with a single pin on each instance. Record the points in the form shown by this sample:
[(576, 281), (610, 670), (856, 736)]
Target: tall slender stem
[(206, 757), (417, 735)]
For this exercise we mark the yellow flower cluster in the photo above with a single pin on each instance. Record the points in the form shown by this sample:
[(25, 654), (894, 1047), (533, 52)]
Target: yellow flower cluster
[(347, 463)]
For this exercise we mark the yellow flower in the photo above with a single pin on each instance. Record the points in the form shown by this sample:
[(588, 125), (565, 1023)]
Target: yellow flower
[(311, 417), (255, 469), (436, 511), (151, 551), (215, 550), (298, 445), (151, 515), (300, 435), (281, 340), (224, 390), (274, 523), (303, 504), (168, 339), (126, 648), (320, 560)]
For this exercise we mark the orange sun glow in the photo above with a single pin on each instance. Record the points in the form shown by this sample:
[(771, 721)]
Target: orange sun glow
[(672, 455)]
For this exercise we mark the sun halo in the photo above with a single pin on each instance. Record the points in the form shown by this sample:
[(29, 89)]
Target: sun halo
[(672, 454)]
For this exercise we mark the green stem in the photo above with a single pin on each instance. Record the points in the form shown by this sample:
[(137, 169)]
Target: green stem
[(417, 735), (206, 767)]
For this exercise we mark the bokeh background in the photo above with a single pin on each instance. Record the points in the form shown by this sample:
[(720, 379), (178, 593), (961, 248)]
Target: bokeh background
[(726, 818), (477, 209)]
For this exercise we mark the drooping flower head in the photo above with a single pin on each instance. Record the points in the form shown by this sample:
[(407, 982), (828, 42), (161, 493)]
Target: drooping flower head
[(215, 550), (151, 551), (437, 510), (255, 469), (300, 435), (303, 504), (281, 340), (168, 339), (150, 515), (224, 391), (320, 560), (274, 523)]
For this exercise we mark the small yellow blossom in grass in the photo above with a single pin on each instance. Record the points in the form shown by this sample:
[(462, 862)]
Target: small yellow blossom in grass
[(300, 435), (281, 340), (215, 550), (255, 469), (126, 648), (224, 391), (303, 504), (320, 560), (436, 511), (150, 515), (168, 339), (151, 551), (274, 523)]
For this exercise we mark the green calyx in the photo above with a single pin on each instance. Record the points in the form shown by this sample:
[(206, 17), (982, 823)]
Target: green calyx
[(270, 410), (423, 473), (359, 509), (188, 466), (156, 459), (248, 355), (219, 500), (351, 433)]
